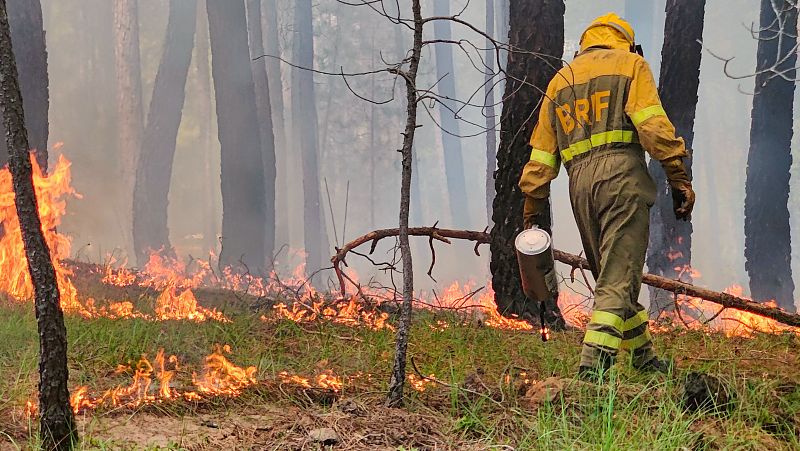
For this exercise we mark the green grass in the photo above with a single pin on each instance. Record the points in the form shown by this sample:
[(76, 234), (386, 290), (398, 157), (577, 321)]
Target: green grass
[(631, 411)]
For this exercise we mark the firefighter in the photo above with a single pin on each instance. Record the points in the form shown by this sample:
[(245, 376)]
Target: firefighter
[(600, 114)]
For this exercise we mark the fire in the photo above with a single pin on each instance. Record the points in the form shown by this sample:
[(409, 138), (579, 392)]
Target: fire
[(51, 191), (120, 277), (221, 377), (173, 306), (326, 380), (420, 384), (352, 313)]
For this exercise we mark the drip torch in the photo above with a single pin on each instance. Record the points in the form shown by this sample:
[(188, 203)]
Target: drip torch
[(535, 258)]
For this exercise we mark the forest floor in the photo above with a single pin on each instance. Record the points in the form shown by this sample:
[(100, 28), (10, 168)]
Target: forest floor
[(504, 389)]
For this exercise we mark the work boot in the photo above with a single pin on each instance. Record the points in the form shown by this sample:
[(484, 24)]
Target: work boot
[(595, 373), (656, 365)]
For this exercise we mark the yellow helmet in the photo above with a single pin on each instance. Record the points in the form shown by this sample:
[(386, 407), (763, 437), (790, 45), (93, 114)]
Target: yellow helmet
[(616, 22)]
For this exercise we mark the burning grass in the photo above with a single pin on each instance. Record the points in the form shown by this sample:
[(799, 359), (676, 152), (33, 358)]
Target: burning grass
[(278, 380)]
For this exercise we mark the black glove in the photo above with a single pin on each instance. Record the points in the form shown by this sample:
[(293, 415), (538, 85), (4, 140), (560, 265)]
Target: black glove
[(683, 196)]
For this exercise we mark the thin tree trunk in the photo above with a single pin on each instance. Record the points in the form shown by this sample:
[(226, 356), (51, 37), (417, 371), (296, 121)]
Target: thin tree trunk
[(264, 105), (210, 206), (448, 108), (242, 175), (304, 119), (536, 26), (129, 102), (491, 121), (154, 169), (397, 381), (30, 50), (768, 247), (503, 22), (670, 239), (56, 422), (275, 79)]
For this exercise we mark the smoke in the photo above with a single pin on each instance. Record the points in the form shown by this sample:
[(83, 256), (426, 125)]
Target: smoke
[(358, 140)]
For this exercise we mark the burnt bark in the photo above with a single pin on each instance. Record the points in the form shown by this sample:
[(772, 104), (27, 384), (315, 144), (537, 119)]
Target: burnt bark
[(30, 50), (242, 174), (129, 100), (154, 167), (671, 240), (449, 121), (536, 26), (264, 107), (56, 421), (306, 139), (768, 246), (397, 381)]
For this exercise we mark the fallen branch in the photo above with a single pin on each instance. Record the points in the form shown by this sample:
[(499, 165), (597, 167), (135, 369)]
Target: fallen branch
[(681, 288)]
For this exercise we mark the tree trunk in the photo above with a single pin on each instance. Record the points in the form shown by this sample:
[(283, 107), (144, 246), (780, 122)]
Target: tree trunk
[(536, 26), (210, 206), (264, 106), (275, 80), (670, 239), (503, 21), (448, 109), (129, 102), (768, 246), (491, 120), (154, 169), (57, 424), (397, 381), (304, 119), (243, 199), (30, 50)]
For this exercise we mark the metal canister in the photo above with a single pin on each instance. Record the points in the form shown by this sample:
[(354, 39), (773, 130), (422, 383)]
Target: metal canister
[(535, 257)]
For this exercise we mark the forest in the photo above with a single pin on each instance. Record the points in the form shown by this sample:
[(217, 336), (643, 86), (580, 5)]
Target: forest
[(296, 224)]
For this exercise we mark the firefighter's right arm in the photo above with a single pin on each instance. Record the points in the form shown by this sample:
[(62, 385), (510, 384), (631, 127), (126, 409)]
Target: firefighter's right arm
[(543, 165), (657, 136), (656, 132)]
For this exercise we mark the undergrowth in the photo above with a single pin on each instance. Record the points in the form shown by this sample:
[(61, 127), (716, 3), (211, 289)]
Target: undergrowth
[(484, 401)]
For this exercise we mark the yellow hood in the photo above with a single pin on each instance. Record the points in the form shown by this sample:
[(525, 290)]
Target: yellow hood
[(604, 36)]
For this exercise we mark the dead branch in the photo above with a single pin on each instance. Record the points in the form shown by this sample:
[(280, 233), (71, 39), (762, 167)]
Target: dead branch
[(679, 288)]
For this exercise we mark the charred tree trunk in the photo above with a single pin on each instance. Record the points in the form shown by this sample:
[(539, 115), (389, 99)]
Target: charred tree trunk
[(491, 120), (536, 26), (670, 239), (57, 424), (30, 50), (397, 381), (129, 100), (768, 246), (264, 106), (448, 110), (275, 80), (154, 169), (243, 199), (306, 139)]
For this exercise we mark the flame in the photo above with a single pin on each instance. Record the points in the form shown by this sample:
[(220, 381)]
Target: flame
[(173, 306), (51, 191), (221, 377), (419, 384), (326, 380), (120, 277)]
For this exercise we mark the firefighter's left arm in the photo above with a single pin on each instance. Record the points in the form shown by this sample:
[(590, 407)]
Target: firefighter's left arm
[(543, 165), (656, 132)]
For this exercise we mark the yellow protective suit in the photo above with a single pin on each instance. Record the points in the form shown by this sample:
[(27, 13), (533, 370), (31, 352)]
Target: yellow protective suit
[(600, 114)]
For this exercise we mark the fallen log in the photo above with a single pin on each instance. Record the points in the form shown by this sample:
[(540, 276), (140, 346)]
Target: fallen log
[(680, 288)]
